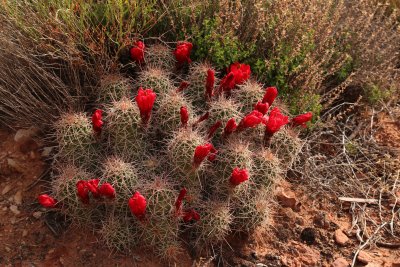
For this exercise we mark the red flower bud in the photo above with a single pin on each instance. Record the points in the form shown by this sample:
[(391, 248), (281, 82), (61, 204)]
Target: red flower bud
[(241, 72), (213, 129), (210, 83), (47, 201), (96, 121), (302, 119), (261, 107), (251, 120), (202, 118), (145, 101), (182, 52), (184, 116), (230, 127), (200, 153), (276, 121), (239, 176), (93, 186), (137, 52), (270, 94), (178, 202), (213, 154), (191, 215), (227, 83), (137, 204), (83, 191), (107, 190), (183, 85)]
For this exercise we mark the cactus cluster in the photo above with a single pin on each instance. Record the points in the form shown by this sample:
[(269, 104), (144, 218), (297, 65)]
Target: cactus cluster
[(173, 150)]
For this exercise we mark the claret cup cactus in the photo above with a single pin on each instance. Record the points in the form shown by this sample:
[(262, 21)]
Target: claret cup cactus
[(171, 149)]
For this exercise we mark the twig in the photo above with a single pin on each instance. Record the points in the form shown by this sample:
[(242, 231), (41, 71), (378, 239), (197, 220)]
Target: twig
[(359, 200), (37, 180)]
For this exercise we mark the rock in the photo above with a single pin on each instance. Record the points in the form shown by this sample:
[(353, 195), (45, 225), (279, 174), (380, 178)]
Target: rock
[(18, 197), (23, 135), (307, 256), (340, 262), (24, 233), (6, 189), (37, 214), (396, 263), (14, 209), (364, 257), (299, 221), (15, 165), (46, 151), (8, 249), (308, 235), (286, 198), (320, 220), (340, 238)]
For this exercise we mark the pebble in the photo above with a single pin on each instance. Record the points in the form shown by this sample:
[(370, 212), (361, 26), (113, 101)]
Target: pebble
[(37, 214), (6, 189), (340, 262), (23, 135), (46, 151), (8, 249), (340, 238), (24, 233), (396, 264), (364, 257), (287, 198), (18, 197), (14, 209), (15, 165)]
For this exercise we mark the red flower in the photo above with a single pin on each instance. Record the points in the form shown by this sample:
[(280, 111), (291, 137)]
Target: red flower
[(200, 153), (251, 120), (261, 107), (83, 191), (230, 127), (107, 190), (202, 118), (227, 83), (213, 129), (239, 176), (182, 52), (191, 215), (241, 72), (47, 201), (184, 116), (276, 121), (302, 119), (181, 196), (137, 204), (270, 94), (210, 83), (213, 154), (183, 85), (145, 101), (96, 121), (137, 52), (93, 186)]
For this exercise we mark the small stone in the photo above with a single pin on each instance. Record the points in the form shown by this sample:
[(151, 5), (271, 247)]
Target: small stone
[(320, 221), (5, 209), (299, 221), (364, 257), (18, 197), (32, 155), (8, 249), (46, 151), (23, 135), (340, 262), (396, 263), (13, 220), (37, 214), (340, 238), (14, 209), (6, 189), (287, 198), (24, 233), (15, 165)]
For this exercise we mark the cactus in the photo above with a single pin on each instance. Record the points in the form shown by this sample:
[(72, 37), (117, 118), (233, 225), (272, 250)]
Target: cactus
[(160, 56), (76, 141), (124, 129), (286, 146), (114, 88), (266, 169), (247, 95), (197, 78), (156, 79)]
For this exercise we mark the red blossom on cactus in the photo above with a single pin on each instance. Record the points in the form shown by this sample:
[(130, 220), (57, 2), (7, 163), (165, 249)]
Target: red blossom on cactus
[(276, 121), (227, 83), (202, 118), (238, 176), (97, 121), (184, 116), (261, 107), (191, 215), (213, 154), (241, 72), (200, 153), (210, 83), (107, 190), (93, 186), (213, 129), (145, 101), (137, 204), (251, 120), (302, 119), (178, 202), (47, 201), (182, 52), (137, 52), (83, 191), (183, 85), (230, 127), (270, 94)]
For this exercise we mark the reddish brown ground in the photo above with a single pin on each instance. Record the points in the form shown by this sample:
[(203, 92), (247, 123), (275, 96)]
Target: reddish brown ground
[(26, 240)]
